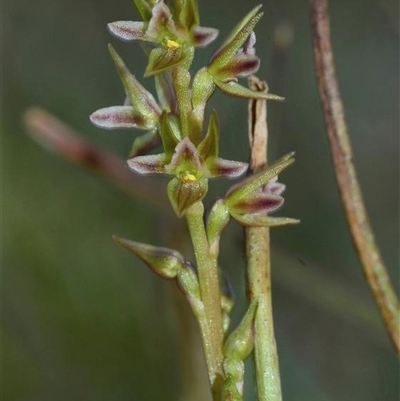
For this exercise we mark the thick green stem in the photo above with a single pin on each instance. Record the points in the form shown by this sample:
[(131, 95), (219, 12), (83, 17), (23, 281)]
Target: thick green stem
[(259, 264), (259, 277), (210, 295)]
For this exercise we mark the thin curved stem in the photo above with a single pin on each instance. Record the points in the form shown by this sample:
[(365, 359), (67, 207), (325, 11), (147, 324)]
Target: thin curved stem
[(357, 218)]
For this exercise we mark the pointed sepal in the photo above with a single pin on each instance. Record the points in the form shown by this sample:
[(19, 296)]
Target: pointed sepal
[(262, 220), (144, 9), (232, 88), (141, 99), (234, 41), (240, 192), (165, 91), (170, 135), (189, 15), (145, 143), (185, 162), (163, 261), (209, 146)]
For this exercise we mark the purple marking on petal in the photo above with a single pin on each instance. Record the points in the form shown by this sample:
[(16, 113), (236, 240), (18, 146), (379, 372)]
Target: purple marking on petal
[(185, 150), (248, 47), (259, 202), (118, 117), (241, 66), (128, 30), (226, 168), (159, 20), (203, 36), (149, 164), (275, 187)]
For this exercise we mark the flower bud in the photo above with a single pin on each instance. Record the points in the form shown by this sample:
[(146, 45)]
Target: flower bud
[(163, 261), (240, 342), (186, 191), (218, 218)]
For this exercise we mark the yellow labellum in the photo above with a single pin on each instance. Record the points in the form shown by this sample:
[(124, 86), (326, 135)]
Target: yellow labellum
[(172, 44), (188, 177)]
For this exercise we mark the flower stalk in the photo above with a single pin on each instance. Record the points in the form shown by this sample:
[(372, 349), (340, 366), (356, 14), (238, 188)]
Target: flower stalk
[(176, 121), (210, 295)]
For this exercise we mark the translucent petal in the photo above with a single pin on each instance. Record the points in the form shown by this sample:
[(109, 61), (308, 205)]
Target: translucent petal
[(257, 202), (149, 164), (185, 158), (202, 36), (225, 168), (239, 66), (128, 30), (118, 117)]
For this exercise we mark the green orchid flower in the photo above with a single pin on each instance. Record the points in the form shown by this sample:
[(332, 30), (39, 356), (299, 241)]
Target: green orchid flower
[(175, 33)]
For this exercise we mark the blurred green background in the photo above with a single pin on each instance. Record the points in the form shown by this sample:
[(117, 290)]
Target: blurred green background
[(84, 320)]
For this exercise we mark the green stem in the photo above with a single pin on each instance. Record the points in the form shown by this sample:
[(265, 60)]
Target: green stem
[(259, 263), (210, 295)]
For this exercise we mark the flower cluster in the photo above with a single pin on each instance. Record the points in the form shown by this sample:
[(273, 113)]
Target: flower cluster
[(176, 119)]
